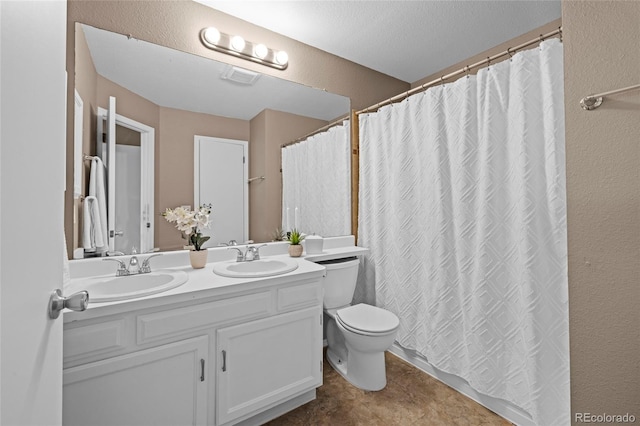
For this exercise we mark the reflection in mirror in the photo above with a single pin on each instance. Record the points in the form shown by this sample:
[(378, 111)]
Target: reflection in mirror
[(187, 99), (312, 205)]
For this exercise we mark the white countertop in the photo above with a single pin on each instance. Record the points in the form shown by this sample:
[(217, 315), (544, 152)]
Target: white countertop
[(202, 283)]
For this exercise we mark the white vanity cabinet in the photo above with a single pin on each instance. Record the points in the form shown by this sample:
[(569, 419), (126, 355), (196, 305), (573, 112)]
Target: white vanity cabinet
[(161, 385), (240, 354), (265, 361)]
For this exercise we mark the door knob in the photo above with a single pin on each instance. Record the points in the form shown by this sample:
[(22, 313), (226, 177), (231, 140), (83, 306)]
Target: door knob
[(76, 302)]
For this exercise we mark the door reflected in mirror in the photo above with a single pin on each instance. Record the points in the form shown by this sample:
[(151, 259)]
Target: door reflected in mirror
[(182, 96)]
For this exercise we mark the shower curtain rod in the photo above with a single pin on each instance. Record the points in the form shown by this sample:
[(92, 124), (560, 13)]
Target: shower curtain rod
[(510, 51), (320, 130), (592, 102)]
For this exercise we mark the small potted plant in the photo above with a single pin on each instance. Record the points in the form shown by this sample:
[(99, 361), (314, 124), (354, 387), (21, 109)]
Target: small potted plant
[(295, 238), (190, 223)]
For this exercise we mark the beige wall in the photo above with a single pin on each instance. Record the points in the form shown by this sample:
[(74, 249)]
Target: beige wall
[(269, 131), (602, 52)]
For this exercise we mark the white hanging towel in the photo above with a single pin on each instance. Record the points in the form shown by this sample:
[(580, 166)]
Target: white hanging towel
[(92, 234), (97, 190)]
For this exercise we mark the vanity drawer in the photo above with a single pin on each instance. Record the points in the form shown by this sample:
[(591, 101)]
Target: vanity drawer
[(299, 296), (163, 324), (93, 339)]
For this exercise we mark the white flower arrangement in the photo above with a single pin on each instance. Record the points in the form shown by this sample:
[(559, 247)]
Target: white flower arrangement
[(190, 223)]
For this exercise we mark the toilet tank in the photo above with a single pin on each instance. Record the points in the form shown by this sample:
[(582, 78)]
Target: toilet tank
[(340, 281)]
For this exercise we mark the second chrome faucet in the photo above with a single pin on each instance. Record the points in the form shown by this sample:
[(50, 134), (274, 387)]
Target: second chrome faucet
[(250, 254)]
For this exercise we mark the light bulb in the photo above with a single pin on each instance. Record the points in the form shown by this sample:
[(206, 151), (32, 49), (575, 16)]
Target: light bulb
[(237, 43), (212, 35), (282, 57), (260, 51)]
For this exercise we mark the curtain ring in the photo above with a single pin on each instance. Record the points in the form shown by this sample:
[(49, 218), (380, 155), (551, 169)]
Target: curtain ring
[(488, 62), (560, 33), (467, 70), (509, 53)]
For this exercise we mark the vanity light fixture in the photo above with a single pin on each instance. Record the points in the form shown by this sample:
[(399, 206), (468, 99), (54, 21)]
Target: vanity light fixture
[(237, 46)]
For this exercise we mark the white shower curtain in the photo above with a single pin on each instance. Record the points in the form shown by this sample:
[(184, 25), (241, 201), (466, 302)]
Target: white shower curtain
[(316, 183), (462, 204)]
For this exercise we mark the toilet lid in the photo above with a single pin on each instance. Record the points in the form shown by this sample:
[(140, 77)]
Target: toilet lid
[(367, 318)]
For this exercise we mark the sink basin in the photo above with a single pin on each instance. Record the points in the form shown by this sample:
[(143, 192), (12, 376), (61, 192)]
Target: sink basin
[(255, 268), (110, 289)]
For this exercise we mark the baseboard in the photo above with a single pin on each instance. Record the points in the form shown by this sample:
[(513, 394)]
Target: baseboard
[(501, 407)]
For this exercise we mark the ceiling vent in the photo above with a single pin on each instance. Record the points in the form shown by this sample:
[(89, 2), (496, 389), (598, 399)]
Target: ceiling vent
[(240, 76)]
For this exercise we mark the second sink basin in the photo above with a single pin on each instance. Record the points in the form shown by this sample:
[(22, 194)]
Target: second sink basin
[(255, 268), (110, 289)]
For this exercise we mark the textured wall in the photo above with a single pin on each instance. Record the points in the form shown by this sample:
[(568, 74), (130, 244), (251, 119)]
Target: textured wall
[(601, 41)]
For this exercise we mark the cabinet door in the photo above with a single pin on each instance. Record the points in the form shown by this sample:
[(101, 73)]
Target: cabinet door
[(264, 362), (165, 385)]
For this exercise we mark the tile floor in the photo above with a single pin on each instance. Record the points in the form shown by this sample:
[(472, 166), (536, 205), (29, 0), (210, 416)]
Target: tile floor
[(411, 397)]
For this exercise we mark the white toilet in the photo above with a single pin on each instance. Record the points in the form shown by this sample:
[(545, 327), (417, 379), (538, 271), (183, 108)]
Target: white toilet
[(358, 335)]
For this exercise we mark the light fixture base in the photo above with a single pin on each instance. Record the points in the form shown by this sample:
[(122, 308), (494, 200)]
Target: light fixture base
[(224, 45)]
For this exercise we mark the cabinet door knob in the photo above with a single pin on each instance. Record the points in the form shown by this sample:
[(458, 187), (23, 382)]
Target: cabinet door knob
[(224, 360), (202, 370)]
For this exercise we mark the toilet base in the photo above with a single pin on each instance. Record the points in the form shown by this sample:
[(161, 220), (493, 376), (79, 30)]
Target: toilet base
[(368, 370)]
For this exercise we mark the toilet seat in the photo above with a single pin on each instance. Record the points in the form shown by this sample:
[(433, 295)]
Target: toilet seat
[(367, 320)]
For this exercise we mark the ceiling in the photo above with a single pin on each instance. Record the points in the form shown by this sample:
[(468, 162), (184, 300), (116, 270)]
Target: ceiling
[(406, 39)]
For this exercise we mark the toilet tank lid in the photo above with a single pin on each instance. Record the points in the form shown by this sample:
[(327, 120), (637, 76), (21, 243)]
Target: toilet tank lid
[(368, 318)]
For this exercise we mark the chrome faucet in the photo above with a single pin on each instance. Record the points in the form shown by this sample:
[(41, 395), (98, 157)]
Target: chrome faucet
[(134, 265), (251, 253)]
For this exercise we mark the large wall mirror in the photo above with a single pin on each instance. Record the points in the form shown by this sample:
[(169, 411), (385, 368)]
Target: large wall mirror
[(177, 128)]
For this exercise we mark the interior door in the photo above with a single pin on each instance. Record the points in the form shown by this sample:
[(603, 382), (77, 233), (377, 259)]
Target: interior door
[(110, 137), (220, 178), (32, 162)]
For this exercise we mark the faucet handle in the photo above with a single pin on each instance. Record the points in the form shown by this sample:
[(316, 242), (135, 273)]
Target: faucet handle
[(240, 256), (146, 268), (122, 268)]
